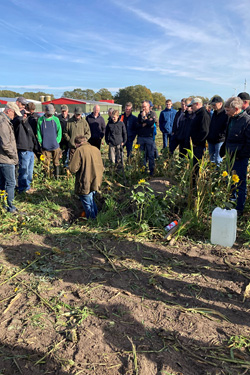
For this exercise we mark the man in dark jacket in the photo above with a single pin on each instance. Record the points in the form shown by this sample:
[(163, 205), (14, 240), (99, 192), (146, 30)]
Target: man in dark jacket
[(145, 131), (217, 129), (245, 97), (97, 127), (199, 131), (238, 143), (175, 142), (130, 122), (64, 118), (184, 129), (199, 127), (26, 142)]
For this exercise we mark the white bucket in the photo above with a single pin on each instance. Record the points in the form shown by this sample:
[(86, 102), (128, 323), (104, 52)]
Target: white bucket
[(224, 224)]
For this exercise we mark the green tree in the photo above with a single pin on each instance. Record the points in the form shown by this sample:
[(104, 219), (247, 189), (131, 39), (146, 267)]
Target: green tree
[(177, 105), (158, 100), (135, 94), (89, 94), (36, 95), (103, 94), (9, 94), (75, 94)]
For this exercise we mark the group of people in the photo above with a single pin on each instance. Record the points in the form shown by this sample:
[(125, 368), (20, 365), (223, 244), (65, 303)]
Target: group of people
[(77, 140), (225, 126)]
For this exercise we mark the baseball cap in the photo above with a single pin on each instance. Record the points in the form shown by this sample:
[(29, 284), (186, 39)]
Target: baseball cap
[(78, 110), (244, 96), (64, 107), (216, 99), (14, 107), (49, 108), (150, 103), (194, 101), (22, 100)]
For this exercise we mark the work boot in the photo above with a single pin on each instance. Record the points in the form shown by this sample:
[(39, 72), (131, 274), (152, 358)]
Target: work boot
[(56, 172)]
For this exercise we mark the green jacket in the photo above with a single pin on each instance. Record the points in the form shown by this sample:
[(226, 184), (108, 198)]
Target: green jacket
[(87, 164), (74, 128)]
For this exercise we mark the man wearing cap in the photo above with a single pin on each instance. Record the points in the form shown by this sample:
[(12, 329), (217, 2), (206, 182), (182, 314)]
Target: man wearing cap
[(199, 130), (76, 125), (217, 129), (245, 97), (8, 153), (64, 118), (26, 145), (97, 127), (21, 103), (166, 122), (49, 135)]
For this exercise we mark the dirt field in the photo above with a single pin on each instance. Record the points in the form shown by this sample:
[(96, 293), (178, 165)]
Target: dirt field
[(86, 303)]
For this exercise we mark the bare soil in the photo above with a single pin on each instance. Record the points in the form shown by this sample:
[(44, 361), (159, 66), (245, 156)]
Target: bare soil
[(95, 304)]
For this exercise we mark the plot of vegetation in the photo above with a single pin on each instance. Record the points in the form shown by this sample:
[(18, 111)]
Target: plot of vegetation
[(113, 295)]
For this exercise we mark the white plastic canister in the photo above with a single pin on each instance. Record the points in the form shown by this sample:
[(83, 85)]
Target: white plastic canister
[(224, 224)]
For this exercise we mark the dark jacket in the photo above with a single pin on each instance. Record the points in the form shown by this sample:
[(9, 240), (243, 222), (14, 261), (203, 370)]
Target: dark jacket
[(200, 127), (184, 128), (63, 121), (115, 133), (24, 134), (238, 136), (166, 120), (148, 121), (97, 126), (248, 110), (176, 122), (218, 126), (130, 123)]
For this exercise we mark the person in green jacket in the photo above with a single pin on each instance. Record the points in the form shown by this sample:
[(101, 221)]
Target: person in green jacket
[(49, 135)]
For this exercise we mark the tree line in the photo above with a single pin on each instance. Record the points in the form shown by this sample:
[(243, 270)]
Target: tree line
[(26, 94), (135, 94)]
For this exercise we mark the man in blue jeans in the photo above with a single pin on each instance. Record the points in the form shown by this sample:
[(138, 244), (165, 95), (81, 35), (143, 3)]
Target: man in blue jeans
[(26, 143), (166, 122), (87, 164), (238, 143), (145, 132), (8, 153)]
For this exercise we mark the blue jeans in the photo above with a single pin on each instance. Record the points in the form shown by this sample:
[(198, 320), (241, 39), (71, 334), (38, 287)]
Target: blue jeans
[(147, 145), (240, 167), (129, 145), (8, 183), (166, 137), (214, 152), (89, 205), (25, 171)]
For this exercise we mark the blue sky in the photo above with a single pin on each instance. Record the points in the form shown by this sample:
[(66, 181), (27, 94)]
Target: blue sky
[(178, 48)]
